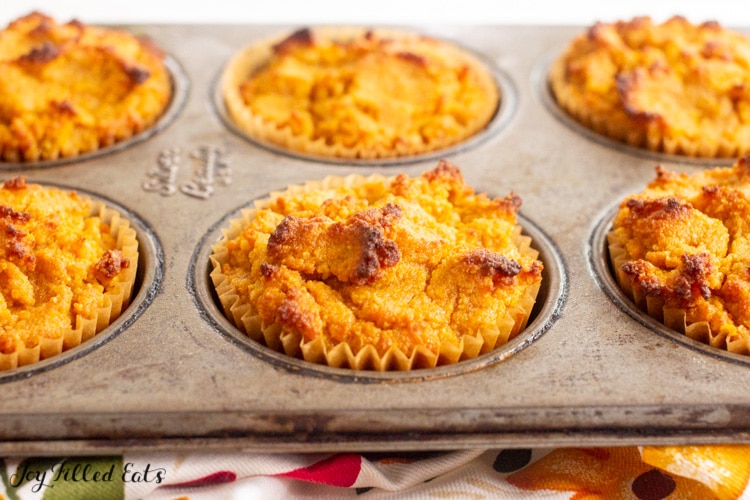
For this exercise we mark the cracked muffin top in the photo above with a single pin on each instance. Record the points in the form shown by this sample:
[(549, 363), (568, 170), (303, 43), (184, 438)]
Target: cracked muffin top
[(684, 243), (60, 266), (674, 87), (401, 264), (68, 89), (359, 93)]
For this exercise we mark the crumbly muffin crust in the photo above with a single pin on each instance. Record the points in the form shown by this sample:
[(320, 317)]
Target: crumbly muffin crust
[(413, 266), (64, 272), (674, 87), (681, 248), (356, 93), (68, 89)]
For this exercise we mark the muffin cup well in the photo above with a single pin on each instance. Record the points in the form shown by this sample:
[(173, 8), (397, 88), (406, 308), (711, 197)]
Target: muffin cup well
[(245, 317), (115, 300), (251, 125)]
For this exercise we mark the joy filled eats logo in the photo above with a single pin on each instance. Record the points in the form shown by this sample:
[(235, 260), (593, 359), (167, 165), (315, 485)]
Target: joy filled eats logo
[(81, 472)]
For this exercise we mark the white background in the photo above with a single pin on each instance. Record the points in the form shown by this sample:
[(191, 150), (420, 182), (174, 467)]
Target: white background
[(733, 13)]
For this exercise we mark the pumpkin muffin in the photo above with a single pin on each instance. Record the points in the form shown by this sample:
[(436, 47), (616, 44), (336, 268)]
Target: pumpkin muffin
[(67, 269), (379, 273), (674, 88), (68, 89), (681, 251), (356, 93)]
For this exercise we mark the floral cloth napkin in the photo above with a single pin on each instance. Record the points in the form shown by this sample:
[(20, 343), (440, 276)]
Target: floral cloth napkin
[(645, 473)]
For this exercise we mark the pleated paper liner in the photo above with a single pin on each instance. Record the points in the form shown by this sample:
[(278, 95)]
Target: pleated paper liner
[(114, 300), (244, 316), (253, 57), (727, 338)]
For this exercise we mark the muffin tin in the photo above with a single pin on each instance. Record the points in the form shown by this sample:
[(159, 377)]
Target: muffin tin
[(172, 374)]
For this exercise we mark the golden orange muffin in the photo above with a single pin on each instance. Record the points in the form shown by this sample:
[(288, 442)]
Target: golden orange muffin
[(379, 273), (67, 269), (681, 250), (674, 87), (356, 93), (68, 89)]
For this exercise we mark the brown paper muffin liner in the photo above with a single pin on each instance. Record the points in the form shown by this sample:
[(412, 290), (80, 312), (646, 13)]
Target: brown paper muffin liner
[(115, 300), (245, 317), (651, 137), (673, 318), (253, 57)]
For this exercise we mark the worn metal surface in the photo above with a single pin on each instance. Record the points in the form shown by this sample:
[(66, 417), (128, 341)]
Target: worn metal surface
[(172, 374)]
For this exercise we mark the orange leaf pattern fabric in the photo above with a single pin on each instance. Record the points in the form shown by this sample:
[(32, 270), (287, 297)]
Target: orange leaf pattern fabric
[(604, 473), (725, 469)]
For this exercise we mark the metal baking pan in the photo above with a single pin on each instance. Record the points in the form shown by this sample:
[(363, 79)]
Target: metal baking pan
[(172, 374)]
